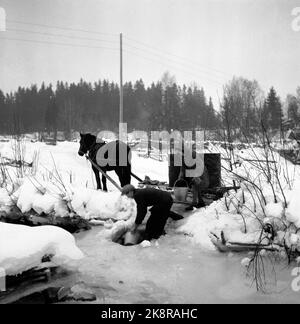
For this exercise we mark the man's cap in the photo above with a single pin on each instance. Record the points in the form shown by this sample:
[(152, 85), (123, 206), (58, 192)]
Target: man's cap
[(128, 188)]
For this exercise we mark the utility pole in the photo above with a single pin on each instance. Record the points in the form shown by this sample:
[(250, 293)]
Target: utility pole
[(2, 20), (121, 79), (123, 154)]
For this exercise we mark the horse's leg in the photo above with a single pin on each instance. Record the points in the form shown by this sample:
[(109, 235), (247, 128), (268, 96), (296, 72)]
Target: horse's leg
[(119, 172), (104, 182), (96, 171), (128, 174), (126, 177)]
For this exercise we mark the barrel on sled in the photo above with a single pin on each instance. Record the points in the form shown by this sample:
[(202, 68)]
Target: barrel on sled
[(212, 162)]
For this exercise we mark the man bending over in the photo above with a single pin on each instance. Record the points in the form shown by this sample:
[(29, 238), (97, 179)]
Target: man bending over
[(161, 203)]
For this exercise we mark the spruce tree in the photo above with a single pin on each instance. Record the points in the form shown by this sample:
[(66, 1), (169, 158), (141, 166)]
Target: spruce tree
[(273, 110)]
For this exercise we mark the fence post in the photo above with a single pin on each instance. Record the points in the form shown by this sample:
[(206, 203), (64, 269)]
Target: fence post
[(160, 150), (149, 144), (2, 280)]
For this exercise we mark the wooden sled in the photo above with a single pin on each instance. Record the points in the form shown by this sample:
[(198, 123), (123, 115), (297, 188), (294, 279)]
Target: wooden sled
[(226, 246)]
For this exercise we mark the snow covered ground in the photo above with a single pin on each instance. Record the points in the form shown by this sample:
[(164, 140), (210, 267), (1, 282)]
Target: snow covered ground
[(63, 183)]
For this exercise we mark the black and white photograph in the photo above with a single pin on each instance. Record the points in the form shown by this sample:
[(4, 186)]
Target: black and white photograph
[(149, 154)]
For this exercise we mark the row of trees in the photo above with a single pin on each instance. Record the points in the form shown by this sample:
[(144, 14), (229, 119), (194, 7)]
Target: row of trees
[(87, 107), (162, 105)]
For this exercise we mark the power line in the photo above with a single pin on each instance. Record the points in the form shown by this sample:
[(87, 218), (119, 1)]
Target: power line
[(106, 48), (161, 63), (62, 28), (217, 78), (179, 57), (174, 55), (60, 44), (95, 39), (61, 35), (102, 47), (110, 34)]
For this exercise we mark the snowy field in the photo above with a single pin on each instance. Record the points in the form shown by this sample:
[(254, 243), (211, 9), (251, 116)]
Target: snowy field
[(62, 183)]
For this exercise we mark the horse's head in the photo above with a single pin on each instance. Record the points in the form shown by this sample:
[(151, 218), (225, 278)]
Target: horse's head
[(86, 142)]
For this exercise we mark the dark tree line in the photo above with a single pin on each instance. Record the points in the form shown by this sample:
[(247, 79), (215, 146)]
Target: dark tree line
[(163, 105), (93, 107)]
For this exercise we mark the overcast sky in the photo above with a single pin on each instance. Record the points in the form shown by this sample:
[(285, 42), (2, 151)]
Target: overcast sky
[(199, 41)]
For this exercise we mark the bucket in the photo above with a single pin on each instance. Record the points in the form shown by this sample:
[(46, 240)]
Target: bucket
[(181, 193)]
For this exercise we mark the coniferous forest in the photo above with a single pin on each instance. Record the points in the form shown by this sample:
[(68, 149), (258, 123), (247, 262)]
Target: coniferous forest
[(93, 107), (164, 105)]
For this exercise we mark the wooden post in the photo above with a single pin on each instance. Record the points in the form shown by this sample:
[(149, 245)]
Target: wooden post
[(160, 149), (172, 146), (149, 144)]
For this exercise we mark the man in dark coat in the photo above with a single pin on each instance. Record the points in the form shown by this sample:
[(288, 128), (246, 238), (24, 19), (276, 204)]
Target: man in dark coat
[(198, 183), (161, 203)]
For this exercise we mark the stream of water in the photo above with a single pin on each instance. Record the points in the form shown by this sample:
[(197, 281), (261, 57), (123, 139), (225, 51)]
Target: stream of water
[(173, 271)]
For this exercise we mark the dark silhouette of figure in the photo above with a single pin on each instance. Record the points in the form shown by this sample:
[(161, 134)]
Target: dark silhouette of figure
[(161, 203)]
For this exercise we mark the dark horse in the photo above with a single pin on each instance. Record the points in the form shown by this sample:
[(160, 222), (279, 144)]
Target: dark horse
[(89, 145)]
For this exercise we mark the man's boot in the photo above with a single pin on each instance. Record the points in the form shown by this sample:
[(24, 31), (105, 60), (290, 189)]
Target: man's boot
[(201, 203)]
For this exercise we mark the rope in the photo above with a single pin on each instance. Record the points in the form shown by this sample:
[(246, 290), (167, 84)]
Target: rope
[(103, 173)]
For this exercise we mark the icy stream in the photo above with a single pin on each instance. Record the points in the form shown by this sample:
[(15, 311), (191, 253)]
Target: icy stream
[(174, 271)]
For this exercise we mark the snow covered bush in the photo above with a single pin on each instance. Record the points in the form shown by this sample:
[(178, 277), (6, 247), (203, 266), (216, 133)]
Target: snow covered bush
[(267, 199), (42, 197), (293, 210), (97, 204)]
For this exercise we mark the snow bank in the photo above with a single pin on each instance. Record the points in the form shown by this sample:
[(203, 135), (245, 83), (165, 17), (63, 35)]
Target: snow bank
[(40, 196), (238, 215), (45, 198), (213, 219), (96, 204), (293, 210), (275, 210), (22, 247), (5, 200), (249, 207)]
